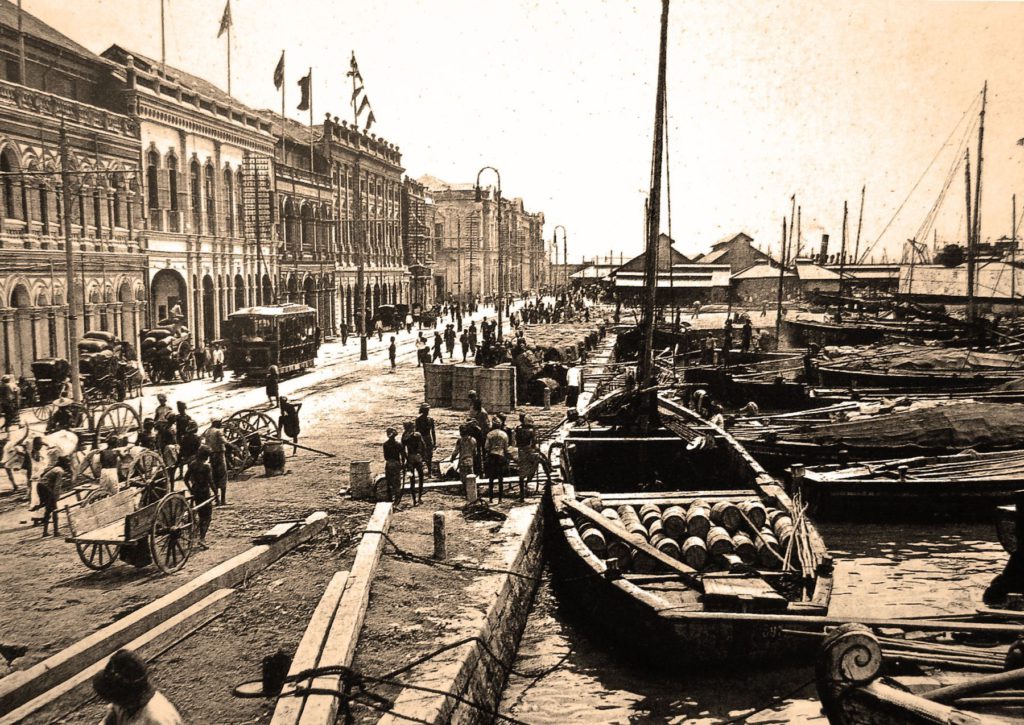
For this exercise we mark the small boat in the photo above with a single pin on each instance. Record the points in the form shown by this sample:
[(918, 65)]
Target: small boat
[(853, 331), (854, 692), (960, 484), (664, 535)]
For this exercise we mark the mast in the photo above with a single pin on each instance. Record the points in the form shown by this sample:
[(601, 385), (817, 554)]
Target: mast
[(975, 237), (646, 366), (842, 263), (970, 240), (782, 272), (860, 223), (1013, 260)]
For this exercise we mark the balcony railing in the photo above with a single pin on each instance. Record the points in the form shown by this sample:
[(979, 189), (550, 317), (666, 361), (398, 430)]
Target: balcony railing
[(58, 107)]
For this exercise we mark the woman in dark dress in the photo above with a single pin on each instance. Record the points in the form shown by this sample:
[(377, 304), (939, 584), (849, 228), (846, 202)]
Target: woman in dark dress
[(272, 380), (289, 421)]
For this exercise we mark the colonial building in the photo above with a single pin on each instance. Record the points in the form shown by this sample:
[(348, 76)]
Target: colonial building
[(466, 263), (64, 86), (419, 218), (737, 251), (193, 138)]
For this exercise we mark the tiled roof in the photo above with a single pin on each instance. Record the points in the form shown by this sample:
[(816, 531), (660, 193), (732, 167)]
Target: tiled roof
[(33, 26)]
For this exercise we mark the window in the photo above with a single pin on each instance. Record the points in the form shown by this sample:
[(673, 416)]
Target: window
[(172, 182), (229, 201), (197, 197), (152, 191), (240, 206), (211, 199), (118, 198), (97, 216)]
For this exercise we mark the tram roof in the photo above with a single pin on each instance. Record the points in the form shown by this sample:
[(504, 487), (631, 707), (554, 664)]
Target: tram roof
[(272, 310)]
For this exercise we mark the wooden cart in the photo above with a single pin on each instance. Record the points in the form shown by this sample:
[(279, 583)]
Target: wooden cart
[(123, 527)]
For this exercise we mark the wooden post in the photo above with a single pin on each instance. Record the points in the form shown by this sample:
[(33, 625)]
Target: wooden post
[(547, 398), (440, 542), (470, 484)]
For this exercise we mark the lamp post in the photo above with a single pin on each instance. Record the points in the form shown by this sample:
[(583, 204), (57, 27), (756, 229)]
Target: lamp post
[(501, 264), (565, 254)]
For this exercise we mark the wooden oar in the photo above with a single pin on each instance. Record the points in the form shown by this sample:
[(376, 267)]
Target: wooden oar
[(978, 685)]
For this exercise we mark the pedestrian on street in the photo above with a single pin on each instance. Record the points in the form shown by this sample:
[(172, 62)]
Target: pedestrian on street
[(449, 340), (378, 327), (187, 431), (696, 310), (124, 684), (49, 488), (464, 344), (421, 345), (16, 458), (394, 463), (472, 338), (200, 482), (344, 333), (496, 450), (167, 445), (163, 410), (272, 389), (437, 356), (573, 385), (217, 358), (764, 309), (289, 422), (428, 431), (413, 443), (217, 446), (200, 356), (465, 452), (392, 353), (110, 459), (746, 334), (529, 454), (408, 322)]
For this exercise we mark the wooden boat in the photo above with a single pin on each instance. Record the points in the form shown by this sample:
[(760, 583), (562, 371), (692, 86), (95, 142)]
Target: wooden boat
[(852, 331), (853, 692), (924, 380), (961, 484), (660, 534)]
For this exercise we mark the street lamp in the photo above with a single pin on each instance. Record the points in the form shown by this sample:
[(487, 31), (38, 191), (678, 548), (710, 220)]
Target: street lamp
[(565, 252), (501, 264)]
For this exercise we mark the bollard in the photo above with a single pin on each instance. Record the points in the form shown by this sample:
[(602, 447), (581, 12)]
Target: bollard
[(470, 484), (547, 398), (440, 544), (903, 472)]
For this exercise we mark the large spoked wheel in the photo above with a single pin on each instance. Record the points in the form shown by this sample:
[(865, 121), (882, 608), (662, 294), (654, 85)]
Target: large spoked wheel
[(97, 556), (44, 411), (187, 371), (246, 431), (146, 470), (173, 533), (118, 419)]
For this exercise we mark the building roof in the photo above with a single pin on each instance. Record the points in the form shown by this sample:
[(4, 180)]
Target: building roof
[(682, 276), (435, 184), (761, 271), (809, 271), (33, 26), (713, 256), (594, 271), (732, 238), (290, 308)]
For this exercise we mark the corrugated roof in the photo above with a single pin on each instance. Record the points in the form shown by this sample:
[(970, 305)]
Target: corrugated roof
[(808, 271), (713, 256), (730, 238), (31, 25), (761, 271)]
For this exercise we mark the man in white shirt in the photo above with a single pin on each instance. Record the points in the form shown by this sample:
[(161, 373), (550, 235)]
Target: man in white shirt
[(573, 385)]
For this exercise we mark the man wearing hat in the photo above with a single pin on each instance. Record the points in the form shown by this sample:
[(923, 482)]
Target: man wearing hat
[(163, 410), (428, 431), (394, 463), (124, 684)]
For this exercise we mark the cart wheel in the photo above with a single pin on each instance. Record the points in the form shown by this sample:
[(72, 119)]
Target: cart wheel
[(187, 372), (146, 470), (247, 430), (44, 411), (97, 556), (170, 541), (119, 419)]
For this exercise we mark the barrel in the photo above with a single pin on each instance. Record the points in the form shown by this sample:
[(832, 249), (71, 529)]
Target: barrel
[(767, 546), (630, 520), (622, 553), (666, 546), (774, 514), (655, 527), (695, 552), (463, 380), (497, 388), (647, 511), (594, 540), (726, 515), (728, 562), (437, 385), (755, 512), (783, 529), (273, 458), (594, 503), (644, 564), (360, 482), (719, 541), (610, 513), (744, 548), (674, 520), (698, 521)]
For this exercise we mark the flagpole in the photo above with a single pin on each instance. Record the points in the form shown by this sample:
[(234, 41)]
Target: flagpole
[(163, 38), (310, 76), (229, 56), (360, 237), (283, 119)]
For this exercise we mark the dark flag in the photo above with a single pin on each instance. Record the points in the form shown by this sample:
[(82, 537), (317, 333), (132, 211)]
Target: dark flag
[(279, 73), (304, 88), (370, 119), (225, 19)]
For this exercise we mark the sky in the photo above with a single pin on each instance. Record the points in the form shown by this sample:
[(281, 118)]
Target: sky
[(766, 100)]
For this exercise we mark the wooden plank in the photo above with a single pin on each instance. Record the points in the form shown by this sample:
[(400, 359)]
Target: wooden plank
[(19, 687), (340, 644), (139, 523), (275, 533), (110, 534), (147, 646), (91, 516), (616, 529)]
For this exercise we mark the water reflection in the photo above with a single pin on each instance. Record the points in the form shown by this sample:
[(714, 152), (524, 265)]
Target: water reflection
[(882, 571)]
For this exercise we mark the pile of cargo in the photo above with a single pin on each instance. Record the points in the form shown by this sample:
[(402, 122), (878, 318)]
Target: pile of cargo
[(550, 350), (165, 350), (99, 353), (703, 535)]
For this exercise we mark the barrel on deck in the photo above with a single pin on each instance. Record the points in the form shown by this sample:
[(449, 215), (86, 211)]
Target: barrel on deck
[(631, 522), (497, 388), (695, 552), (744, 548), (719, 541), (594, 539), (437, 385), (755, 512), (666, 546), (726, 515), (698, 520), (674, 520), (648, 511), (463, 380), (767, 547), (622, 553)]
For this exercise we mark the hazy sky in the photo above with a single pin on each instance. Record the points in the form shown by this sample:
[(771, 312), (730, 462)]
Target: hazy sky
[(766, 99)]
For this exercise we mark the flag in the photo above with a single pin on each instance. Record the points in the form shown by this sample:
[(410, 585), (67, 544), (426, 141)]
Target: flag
[(279, 73), (225, 19), (304, 88), (370, 119), (363, 106), (354, 67)]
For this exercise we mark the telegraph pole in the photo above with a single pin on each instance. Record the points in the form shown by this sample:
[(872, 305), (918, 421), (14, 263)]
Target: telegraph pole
[(69, 260), (501, 266)]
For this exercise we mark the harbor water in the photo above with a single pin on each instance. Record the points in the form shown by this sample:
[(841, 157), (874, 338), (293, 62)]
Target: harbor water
[(882, 570)]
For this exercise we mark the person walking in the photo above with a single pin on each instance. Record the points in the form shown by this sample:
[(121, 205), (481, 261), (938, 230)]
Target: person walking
[(392, 353), (124, 684), (496, 450), (49, 488), (187, 432), (163, 410), (16, 458), (466, 452), (272, 385), (200, 482), (200, 357), (472, 339), (427, 429), (464, 344), (217, 359), (109, 460), (414, 446), (289, 422), (167, 446), (408, 322), (529, 454), (421, 344), (449, 341), (378, 328), (394, 463), (216, 444), (573, 385), (438, 342), (344, 333), (696, 310), (746, 335)]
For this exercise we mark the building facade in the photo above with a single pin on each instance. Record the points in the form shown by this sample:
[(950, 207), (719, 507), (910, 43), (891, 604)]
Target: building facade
[(64, 86), (193, 139), (419, 220)]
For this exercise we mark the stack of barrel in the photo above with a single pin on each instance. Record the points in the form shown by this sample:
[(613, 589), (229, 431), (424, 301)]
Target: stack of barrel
[(705, 536)]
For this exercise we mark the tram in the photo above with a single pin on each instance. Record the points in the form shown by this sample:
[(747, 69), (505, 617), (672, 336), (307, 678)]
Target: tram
[(285, 336)]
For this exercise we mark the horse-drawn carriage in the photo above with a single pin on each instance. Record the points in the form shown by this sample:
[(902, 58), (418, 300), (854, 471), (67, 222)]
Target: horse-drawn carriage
[(167, 352)]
